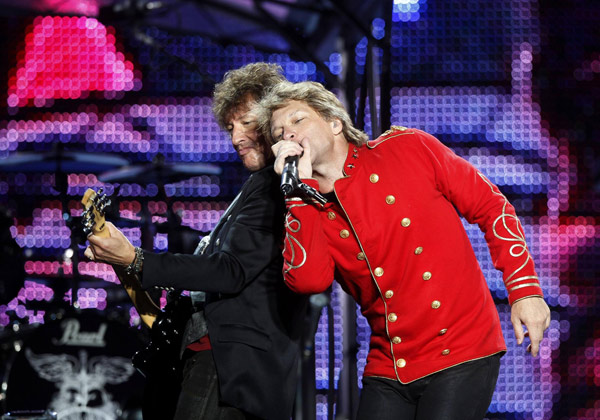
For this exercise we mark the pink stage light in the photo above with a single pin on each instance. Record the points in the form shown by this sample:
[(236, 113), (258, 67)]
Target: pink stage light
[(66, 58)]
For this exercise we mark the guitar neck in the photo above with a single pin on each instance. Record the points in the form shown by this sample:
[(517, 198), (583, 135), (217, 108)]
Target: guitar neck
[(101, 230), (142, 301)]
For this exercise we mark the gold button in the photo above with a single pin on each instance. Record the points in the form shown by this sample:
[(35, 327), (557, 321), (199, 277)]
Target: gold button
[(331, 215), (396, 340), (389, 294), (360, 256), (392, 317), (390, 199), (446, 352), (426, 275), (344, 233), (405, 222), (443, 331), (435, 304), (400, 363), (378, 271), (374, 178), (418, 250)]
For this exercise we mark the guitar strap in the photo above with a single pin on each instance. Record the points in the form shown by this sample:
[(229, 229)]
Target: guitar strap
[(199, 298), (196, 326)]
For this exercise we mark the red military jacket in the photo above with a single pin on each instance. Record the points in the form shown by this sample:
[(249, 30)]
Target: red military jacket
[(395, 242)]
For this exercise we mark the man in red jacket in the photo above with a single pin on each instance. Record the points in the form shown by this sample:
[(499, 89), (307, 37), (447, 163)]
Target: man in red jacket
[(391, 235)]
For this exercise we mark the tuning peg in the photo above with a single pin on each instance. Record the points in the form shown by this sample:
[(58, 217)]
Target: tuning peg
[(88, 221), (88, 216), (101, 201), (107, 201)]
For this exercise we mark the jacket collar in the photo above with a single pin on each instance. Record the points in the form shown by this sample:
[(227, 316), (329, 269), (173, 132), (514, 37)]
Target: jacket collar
[(352, 159)]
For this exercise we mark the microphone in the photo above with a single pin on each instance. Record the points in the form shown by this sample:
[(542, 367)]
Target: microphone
[(289, 176)]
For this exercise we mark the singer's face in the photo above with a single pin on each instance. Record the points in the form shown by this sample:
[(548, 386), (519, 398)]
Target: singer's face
[(298, 122), (245, 138)]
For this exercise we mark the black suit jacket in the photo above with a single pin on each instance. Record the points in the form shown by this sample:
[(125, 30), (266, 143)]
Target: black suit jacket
[(255, 322)]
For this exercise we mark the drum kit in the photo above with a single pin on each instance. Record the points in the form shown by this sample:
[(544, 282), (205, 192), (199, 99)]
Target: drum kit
[(77, 362)]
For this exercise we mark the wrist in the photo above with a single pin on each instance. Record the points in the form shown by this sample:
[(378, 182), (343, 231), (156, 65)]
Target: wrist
[(135, 267), (526, 297), (130, 256)]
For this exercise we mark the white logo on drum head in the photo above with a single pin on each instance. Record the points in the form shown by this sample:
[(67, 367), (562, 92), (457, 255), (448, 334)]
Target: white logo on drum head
[(80, 382), (73, 336)]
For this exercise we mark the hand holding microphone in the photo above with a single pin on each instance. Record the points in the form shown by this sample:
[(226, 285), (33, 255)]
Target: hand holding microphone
[(290, 174), (292, 162)]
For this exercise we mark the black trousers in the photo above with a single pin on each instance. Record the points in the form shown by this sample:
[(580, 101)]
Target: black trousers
[(199, 396), (463, 392)]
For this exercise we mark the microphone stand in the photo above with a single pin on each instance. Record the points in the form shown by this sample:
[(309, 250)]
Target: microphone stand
[(312, 193), (309, 191)]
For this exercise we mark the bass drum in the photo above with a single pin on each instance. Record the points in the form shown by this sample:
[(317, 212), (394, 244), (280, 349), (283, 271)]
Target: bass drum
[(78, 366)]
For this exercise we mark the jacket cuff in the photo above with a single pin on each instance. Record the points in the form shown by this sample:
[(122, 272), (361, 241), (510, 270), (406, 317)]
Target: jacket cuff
[(525, 292), (147, 279)]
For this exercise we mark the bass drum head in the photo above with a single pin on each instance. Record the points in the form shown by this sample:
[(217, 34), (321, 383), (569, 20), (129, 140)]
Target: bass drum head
[(78, 366)]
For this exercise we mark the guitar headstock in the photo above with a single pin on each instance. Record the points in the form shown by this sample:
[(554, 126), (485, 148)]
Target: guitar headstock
[(93, 219)]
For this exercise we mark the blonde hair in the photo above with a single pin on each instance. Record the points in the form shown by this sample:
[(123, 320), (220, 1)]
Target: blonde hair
[(232, 93), (314, 95)]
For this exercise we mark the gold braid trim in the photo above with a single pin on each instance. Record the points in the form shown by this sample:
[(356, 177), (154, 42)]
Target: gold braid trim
[(520, 286), (517, 250), (293, 225), (521, 279)]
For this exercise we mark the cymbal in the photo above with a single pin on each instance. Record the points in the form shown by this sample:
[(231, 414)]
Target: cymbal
[(61, 161), (159, 173), (60, 283), (52, 279)]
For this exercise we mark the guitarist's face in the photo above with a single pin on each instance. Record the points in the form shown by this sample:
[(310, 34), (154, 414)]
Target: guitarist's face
[(245, 138)]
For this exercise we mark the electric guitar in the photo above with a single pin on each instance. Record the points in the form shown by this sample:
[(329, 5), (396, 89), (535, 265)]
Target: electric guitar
[(161, 356), (94, 222)]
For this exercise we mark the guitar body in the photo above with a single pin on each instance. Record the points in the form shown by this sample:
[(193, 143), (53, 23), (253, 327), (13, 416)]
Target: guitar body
[(166, 335), (160, 362)]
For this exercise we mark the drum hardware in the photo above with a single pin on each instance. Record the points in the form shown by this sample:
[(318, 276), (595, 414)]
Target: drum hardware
[(114, 292), (60, 161), (159, 172)]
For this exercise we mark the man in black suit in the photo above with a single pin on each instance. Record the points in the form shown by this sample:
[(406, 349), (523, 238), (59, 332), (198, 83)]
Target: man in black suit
[(242, 351)]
